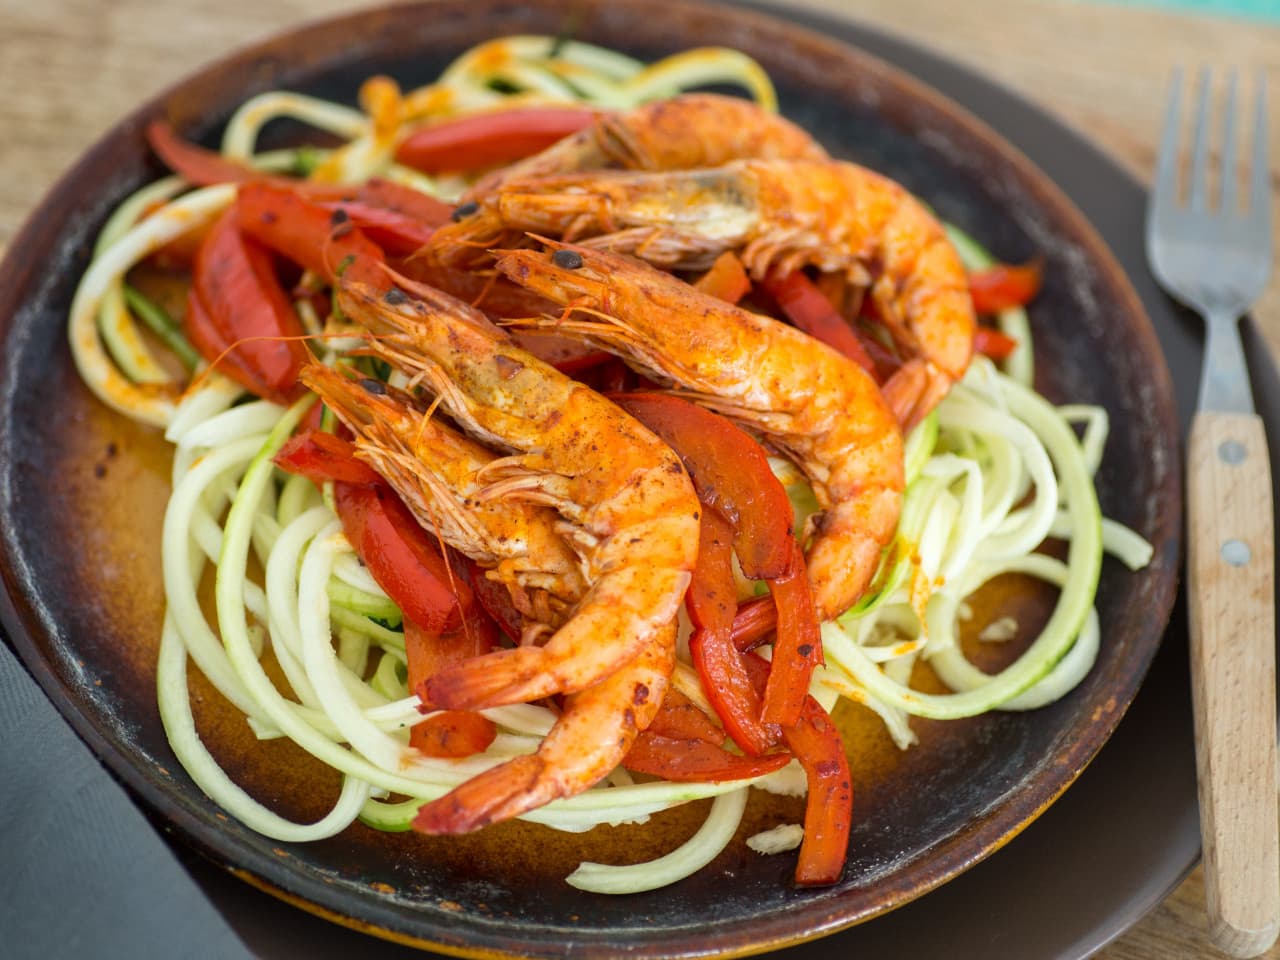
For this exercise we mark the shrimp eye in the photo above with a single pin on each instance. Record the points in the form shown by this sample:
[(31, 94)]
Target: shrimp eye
[(567, 259), (464, 211), (373, 386)]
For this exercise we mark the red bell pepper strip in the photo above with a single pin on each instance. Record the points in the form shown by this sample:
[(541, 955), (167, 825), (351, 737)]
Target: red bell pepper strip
[(712, 600), (396, 197), (753, 622), (215, 348), (202, 167), (828, 812), (731, 474), (727, 279), (444, 621), (206, 168), (695, 760), (806, 307), (401, 556), (495, 600), (451, 733), (489, 139), (397, 234), (310, 235), (1004, 286), (237, 286), (992, 343), (679, 718), (797, 647), (321, 456)]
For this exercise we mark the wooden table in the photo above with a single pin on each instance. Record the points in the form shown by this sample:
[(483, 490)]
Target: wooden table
[(71, 68)]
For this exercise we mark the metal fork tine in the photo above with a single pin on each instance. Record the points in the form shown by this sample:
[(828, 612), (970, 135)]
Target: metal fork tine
[(1229, 171), (1166, 189), (1260, 176), (1200, 144)]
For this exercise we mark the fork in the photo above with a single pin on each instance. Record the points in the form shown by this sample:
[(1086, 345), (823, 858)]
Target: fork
[(1215, 258)]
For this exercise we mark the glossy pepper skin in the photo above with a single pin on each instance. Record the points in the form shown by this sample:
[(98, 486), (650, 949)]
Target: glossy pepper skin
[(489, 139), (732, 477), (444, 621), (238, 309)]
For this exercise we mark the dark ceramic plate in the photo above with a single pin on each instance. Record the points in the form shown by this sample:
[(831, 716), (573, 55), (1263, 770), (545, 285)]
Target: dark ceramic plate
[(80, 561)]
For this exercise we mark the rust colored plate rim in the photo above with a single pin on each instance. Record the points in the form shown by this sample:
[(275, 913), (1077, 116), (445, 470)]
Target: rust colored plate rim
[(824, 913)]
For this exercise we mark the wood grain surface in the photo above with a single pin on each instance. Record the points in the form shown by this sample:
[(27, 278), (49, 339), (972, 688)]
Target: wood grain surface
[(1233, 677), (71, 68)]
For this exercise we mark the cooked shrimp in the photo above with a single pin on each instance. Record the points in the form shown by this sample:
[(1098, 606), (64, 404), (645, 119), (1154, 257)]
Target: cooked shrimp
[(809, 401), (439, 474), (694, 130), (626, 507), (779, 215), (594, 733)]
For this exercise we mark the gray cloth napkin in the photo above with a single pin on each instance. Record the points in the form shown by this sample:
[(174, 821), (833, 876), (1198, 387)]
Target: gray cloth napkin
[(82, 872)]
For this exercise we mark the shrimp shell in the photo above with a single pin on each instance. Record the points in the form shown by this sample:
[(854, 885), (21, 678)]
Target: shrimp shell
[(625, 504), (812, 403), (594, 733), (439, 473), (680, 133), (780, 216)]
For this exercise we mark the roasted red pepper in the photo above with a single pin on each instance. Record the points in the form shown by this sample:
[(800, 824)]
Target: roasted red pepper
[(1004, 286), (679, 718), (402, 557), (450, 733), (828, 812), (241, 296), (321, 456), (489, 139), (731, 474), (732, 477), (444, 621), (397, 234), (806, 307), (321, 240), (797, 645), (712, 600), (695, 760), (992, 343), (496, 601), (396, 197), (198, 327), (202, 167), (205, 168), (727, 279)]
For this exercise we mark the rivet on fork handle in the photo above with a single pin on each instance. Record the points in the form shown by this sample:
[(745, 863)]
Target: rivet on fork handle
[(1230, 568)]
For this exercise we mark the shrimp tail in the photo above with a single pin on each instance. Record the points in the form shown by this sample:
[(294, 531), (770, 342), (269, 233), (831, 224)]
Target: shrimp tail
[(598, 727), (498, 794), (509, 676)]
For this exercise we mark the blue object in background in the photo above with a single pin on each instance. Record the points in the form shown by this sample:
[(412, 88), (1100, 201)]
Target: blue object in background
[(1268, 10)]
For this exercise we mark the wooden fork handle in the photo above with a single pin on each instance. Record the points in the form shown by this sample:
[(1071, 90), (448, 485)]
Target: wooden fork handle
[(1233, 681)]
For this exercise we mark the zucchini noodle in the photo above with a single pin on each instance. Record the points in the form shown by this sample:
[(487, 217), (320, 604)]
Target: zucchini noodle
[(991, 474)]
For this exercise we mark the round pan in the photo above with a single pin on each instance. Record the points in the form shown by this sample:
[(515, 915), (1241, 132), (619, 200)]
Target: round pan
[(79, 485)]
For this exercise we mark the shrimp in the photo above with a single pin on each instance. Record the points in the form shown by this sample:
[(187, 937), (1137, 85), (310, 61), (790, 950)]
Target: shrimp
[(780, 215), (694, 130), (439, 473), (594, 733), (809, 401), (624, 503), (587, 503)]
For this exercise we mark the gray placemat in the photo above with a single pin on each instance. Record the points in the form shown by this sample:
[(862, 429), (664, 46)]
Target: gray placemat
[(83, 872)]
